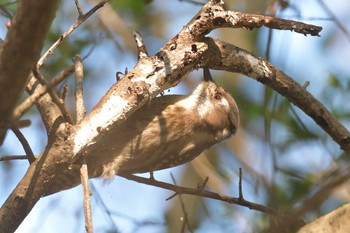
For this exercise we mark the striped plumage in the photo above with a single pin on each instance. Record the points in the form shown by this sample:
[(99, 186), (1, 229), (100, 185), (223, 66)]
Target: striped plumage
[(170, 131)]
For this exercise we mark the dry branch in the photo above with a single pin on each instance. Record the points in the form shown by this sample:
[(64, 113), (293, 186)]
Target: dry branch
[(224, 56), (86, 194), (207, 194), (22, 47), (30, 155), (80, 107), (335, 221), (80, 20), (33, 99)]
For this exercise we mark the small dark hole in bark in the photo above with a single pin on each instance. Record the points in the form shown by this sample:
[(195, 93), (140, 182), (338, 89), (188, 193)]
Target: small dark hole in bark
[(194, 48)]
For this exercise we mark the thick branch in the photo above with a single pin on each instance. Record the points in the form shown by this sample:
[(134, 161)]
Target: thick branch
[(213, 16), (32, 186), (48, 108), (224, 56), (21, 50), (335, 221)]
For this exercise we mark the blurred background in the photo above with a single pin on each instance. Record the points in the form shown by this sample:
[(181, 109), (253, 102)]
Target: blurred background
[(286, 159)]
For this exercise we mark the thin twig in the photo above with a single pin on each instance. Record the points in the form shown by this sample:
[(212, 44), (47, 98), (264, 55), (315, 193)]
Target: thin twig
[(80, 12), (240, 185), (13, 157), (53, 95), (80, 108), (30, 155), (32, 99), (87, 192), (306, 84), (208, 194), (141, 48), (186, 222), (117, 75), (21, 123), (205, 182), (69, 31)]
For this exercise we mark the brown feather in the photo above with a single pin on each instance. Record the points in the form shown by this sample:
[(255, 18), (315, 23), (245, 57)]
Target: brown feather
[(170, 131)]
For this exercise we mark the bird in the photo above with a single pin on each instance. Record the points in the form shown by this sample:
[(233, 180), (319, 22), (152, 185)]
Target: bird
[(170, 131)]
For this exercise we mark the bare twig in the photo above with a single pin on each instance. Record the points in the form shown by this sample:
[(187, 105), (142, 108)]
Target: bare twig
[(30, 155), (23, 45), (54, 97), (225, 56), (306, 84), (80, 20), (21, 123), (32, 99), (87, 192), (141, 48), (208, 194), (240, 185), (214, 16), (186, 222), (202, 185), (118, 74), (80, 108), (80, 111), (80, 12), (13, 157)]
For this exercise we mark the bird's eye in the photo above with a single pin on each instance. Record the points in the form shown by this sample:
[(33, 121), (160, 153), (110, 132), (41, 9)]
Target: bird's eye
[(217, 96)]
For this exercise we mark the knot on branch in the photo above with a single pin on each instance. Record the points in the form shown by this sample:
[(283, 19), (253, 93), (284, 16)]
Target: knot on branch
[(139, 91)]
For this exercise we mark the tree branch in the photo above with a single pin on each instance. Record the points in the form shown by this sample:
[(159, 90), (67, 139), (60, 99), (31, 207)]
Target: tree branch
[(13, 157), (23, 44), (37, 94), (80, 20), (86, 194), (335, 221), (207, 194), (25, 144), (213, 16), (224, 56), (80, 107)]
